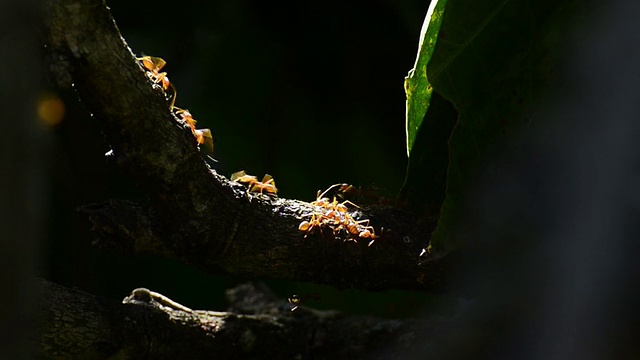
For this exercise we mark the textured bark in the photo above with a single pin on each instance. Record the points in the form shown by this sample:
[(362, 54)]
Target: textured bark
[(81, 326), (194, 214)]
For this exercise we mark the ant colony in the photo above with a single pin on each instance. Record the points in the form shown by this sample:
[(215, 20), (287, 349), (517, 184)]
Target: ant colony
[(334, 216), (328, 214), (152, 66)]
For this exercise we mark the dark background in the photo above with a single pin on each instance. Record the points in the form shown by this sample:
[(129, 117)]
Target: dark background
[(311, 93), (314, 96)]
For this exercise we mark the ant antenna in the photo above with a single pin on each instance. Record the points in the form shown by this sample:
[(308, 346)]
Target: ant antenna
[(330, 188)]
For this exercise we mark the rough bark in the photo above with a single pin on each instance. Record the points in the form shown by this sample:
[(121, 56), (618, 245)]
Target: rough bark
[(194, 214), (81, 326)]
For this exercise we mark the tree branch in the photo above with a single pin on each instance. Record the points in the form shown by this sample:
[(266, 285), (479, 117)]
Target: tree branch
[(196, 215), (144, 326)]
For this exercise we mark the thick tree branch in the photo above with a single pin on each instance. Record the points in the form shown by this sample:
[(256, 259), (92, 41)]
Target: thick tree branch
[(195, 214), (145, 326)]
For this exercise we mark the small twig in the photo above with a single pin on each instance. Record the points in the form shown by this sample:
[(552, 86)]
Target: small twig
[(157, 300)]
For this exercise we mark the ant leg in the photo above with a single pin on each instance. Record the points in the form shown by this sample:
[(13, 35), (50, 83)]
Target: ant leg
[(349, 203), (175, 95)]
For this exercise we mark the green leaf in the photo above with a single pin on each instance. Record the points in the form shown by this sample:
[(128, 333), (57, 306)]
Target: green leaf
[(416, 84), (493, 60), (426, 181)]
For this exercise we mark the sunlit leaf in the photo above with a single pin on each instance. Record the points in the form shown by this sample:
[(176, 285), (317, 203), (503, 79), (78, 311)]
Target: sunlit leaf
[(492, 61), (416, 84)]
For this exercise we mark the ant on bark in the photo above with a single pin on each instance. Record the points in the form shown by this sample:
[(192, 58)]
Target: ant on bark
[(152, 66), (335, 215), (266, 186)]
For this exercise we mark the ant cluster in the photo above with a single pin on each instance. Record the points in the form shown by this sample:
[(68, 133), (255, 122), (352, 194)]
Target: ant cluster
[(266, 186), (152, 66), (334, 215), (329, 214)]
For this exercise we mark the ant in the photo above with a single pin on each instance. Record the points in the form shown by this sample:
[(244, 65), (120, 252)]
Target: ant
[(324, 202), (242, 177), (311, 225), (267, 185), (153, 65), (369, 233), (362, 230), (203, 136)]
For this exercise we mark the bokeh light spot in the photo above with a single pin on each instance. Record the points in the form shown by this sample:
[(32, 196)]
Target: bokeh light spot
[(50, 109)]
